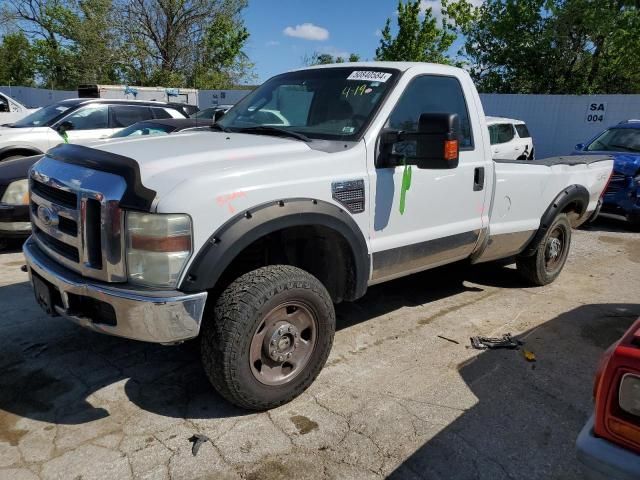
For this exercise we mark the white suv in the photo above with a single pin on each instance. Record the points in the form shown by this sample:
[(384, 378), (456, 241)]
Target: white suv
[(510, 139), (81, 118)]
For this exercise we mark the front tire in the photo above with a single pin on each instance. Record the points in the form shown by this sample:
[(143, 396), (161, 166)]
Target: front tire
[(544, 266), (269, 336)]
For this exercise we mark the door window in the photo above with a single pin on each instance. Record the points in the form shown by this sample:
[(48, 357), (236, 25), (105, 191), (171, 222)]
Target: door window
[(160, 113), (501, 133), (90, 117), (432, 94), (125, 115), (523, 131)]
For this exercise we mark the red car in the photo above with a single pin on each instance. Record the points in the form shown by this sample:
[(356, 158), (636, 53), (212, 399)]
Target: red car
[(609, 444)]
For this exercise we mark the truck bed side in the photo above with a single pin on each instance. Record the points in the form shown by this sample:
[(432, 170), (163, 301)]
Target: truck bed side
[(524, 191)]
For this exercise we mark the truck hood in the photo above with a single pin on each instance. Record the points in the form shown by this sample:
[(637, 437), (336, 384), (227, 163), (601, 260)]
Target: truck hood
[(167, 161), (624, 162)]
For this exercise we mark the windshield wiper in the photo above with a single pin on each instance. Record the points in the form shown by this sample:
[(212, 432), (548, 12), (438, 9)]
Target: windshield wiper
[(269, 130)]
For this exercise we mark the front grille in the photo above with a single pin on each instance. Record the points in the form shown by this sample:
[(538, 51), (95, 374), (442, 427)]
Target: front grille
[(617, 183), (55, 195), (57, 246), (79, 223)]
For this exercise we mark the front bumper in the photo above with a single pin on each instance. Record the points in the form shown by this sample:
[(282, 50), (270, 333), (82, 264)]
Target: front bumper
[(120, 310), (603, 460), (14, 221)]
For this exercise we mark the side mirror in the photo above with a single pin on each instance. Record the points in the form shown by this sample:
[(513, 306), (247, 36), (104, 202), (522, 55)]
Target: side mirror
[(65, 127), (217, 115), (435, 145), (579, 147)]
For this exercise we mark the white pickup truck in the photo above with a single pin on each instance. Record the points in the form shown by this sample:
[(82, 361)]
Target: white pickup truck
[(247, 235)]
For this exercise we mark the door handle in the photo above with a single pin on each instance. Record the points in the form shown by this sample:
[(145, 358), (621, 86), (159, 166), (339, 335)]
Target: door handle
[(478, 179)]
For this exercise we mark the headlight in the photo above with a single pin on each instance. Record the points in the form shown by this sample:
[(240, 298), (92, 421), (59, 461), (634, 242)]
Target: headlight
[(158, 248), (17, 193)]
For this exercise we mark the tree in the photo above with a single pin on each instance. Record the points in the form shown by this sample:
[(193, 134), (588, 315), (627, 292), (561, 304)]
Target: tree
[(551, 46), (72, 41), (419, 38), (17, 60), (325, 58), (178, 42), (222, 63)]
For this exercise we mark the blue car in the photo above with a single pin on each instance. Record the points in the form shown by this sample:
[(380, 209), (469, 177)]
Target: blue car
[(621, 141)]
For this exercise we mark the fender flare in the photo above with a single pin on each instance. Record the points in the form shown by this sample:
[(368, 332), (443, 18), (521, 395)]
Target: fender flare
[(242, 230), (572, 194), (19, 148)]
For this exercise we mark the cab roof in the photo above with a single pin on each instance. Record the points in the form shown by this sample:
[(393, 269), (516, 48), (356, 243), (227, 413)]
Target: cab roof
[(401, 66), (493, 120)]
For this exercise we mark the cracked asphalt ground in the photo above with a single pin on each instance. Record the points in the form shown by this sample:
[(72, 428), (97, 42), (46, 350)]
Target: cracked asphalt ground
[(394, 399)]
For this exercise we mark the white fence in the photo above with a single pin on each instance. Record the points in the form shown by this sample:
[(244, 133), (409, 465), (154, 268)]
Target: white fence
[(36, 97), (558, 122)]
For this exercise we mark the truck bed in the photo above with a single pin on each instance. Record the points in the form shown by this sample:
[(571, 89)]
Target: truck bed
[(525, 189)]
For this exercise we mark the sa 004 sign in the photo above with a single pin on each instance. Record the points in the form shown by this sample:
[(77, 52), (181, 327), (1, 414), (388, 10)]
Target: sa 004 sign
[(596, 112)]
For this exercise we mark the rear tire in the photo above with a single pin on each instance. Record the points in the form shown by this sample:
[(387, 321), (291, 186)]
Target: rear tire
[(269, 336), (544, 266)]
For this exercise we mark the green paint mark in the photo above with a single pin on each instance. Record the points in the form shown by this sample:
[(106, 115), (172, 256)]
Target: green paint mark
[(406, 185)]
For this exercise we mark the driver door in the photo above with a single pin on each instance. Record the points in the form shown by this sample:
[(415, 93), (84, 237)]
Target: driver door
[(440, 219)]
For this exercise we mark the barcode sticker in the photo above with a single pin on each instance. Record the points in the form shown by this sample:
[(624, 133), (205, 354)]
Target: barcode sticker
[(369, 75)]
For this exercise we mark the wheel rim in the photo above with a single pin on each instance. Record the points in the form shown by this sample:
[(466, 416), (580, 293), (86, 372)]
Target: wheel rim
[(283, 342), (555, 249)]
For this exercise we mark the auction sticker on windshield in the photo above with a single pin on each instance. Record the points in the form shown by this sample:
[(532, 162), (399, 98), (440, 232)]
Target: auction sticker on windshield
[(369, 75)]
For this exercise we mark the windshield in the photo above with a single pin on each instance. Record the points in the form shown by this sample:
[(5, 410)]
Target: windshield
[(42, 117), (327, 103), (144, 128), (617, 140)]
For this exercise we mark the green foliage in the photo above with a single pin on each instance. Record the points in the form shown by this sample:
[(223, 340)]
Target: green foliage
[(17, 60), (195, 43), (177, 43), (551, 46), (419, 38), (326, 58)]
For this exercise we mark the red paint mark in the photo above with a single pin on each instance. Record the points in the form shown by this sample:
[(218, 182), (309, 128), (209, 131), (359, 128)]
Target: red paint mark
[(223, 200)]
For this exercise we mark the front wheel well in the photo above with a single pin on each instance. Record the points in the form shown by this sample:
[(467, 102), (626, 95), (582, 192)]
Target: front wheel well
[(27, 152), (317, 249)]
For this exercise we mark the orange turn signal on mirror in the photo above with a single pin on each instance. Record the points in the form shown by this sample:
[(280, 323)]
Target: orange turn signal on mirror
[(451, 150), (181, 243)]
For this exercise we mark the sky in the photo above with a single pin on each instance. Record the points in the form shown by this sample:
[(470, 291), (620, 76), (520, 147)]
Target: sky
[(284, 31)]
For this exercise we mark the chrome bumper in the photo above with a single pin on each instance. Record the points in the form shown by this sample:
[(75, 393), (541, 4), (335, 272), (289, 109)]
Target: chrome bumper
[(151, 316)]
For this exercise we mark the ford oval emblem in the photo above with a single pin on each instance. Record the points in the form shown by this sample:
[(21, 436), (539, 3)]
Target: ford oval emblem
[(48, 216)]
